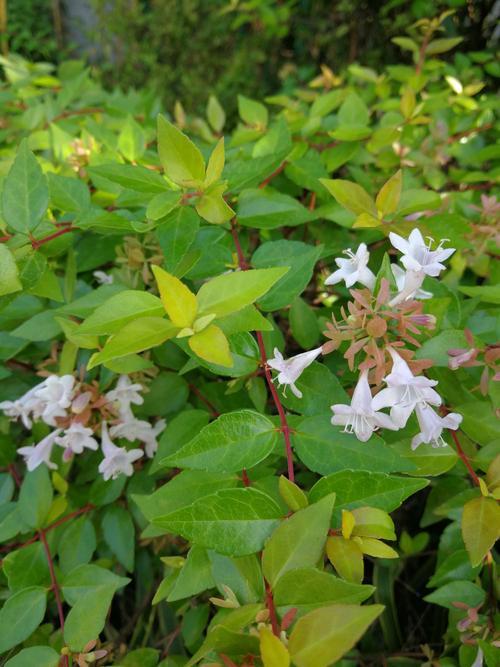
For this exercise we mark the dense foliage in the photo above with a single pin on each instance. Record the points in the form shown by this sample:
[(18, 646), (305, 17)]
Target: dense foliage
[(223, 443)]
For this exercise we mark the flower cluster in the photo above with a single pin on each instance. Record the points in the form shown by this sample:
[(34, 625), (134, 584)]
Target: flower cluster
[(380, 326), (78, 411)]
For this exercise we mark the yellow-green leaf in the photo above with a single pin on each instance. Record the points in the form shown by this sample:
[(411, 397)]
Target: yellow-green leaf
[(215, 114), (346, 557), (351, 196), (213, 208), (179, 302), (136, 336), (323, 636), (480, 527), (293, 496), (390, 193), (181, 159), (373, 522), (348, 522), (215, 164), (9, 281), (372, 547), (272, 650), (366, 220), (212, 345)]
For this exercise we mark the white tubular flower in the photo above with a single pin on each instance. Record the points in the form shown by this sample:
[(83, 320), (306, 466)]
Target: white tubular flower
[(138, 429), (360, 417), (56, 394), (417, 256), (117, 460), (103, 278), (35, 455), (75, 439), (408, 284), (354, 269), (125, 393), (291, 369), (404, 391), (432, 425), (18, 409)]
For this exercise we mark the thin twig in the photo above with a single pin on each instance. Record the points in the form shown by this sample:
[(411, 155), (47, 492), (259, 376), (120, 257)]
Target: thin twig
[(465, 459)]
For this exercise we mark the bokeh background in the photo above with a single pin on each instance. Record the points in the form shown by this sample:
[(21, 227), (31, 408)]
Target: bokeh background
[(183, 48)]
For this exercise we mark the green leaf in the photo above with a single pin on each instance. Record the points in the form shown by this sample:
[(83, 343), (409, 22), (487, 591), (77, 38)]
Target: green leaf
[(304, 324), (326, 449), (215, 164), (292, 494), (119, 534), (131, 140), (129, 176), (176, 234), (487, 293), (320, 389), (41, 656), (436, 348), (35, 498), (357, 488), (77, 544), (309, 588), (268, 209), (178, 300), (163, 203), (22, 613), (299, 256), (68, 194), (184, 489), (215, 114), (120, 309), (457, 591), (480, 527), (388, 197), (194, 577), (136, 336), (9, 272), (230, 292), (252, 112), (181, 159), (442, 45), (324, 635), (299, 541), (87, 618), (26, 567), (351, 196), (212, 206), (212, 345), (235, 522), (347, 558), (234, 441), (25, 194), (243, 575)]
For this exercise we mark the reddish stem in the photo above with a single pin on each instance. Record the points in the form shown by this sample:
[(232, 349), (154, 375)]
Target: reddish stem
[(285, 429), (272, 611), (36, 243), (275, 173), (245, 478), (213, 410), (465, 458)]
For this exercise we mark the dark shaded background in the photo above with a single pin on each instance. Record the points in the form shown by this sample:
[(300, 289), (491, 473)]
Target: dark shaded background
[(184, 48)]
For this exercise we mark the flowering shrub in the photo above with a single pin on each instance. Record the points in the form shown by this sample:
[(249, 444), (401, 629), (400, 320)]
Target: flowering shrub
[(209, 413)]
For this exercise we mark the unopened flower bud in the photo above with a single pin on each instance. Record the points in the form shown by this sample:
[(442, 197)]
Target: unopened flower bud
[(80, 403)]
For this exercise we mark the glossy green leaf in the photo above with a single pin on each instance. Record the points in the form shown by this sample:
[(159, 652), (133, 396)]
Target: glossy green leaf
[(21, 613), (235, 522), (25, 194), (181, 159), (324, 635), (234, 441)]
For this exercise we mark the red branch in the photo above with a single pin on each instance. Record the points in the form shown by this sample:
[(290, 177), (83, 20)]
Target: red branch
[(55, 587), (36, 243), (465, 459), (285, 429), (272, 611), (275, 173), (213, 410)]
